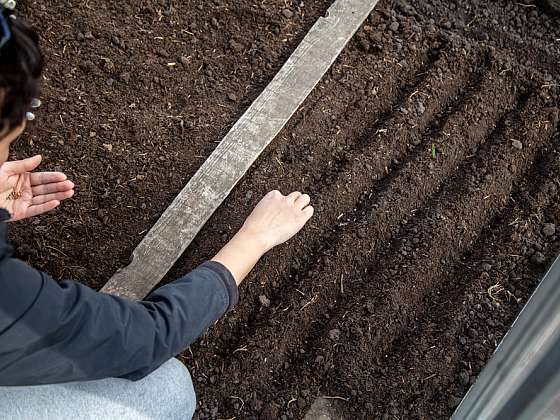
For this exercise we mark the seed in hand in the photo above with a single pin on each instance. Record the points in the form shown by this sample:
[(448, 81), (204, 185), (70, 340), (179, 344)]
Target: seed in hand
[(14, 195)]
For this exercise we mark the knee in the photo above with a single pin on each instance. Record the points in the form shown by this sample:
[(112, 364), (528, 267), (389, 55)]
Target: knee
[(180, 394)]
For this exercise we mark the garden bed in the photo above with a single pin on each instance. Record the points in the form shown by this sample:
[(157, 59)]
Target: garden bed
[(430, 149)]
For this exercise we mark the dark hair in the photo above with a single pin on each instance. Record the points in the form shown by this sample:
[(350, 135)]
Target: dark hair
[(21, 64)]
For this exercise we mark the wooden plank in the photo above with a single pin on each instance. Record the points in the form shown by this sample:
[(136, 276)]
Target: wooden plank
[(235, 154)]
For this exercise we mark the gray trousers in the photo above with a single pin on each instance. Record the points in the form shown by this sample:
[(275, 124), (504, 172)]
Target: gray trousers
[(166, 393)]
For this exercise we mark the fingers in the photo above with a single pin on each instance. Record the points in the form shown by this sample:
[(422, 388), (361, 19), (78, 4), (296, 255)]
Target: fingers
[(302, 201), (21, 166), (299, 200), (53, 187), (46, 198), (308, 212), (35, 210), (273, 194), (293, 196), (38, 178)]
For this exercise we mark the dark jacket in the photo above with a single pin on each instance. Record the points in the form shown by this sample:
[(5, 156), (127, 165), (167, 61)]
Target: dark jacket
[(52, 333)]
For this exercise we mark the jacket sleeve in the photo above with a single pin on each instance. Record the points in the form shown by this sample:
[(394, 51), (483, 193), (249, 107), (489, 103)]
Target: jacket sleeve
[(53, 333)]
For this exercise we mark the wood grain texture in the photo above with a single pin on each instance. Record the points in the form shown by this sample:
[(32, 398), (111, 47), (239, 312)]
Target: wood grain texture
[(235, 154)]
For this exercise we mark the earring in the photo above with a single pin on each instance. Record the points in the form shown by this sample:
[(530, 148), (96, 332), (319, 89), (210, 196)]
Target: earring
[(35, 103)]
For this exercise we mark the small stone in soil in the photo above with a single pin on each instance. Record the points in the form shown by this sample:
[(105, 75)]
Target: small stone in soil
[(116, 41), (183, 60), (232, 97), (125, 77), (264, 301), (87, 66), (364, 44), (288, 13), (453, 402), (538, 258), (256, 404), (334, 334), (549, 229), (485, 267), (236, 46), (517, 144), (394, 26)]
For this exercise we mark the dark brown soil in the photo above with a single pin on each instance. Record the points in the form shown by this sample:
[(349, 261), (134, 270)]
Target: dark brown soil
[(136, 96), (431, 150)]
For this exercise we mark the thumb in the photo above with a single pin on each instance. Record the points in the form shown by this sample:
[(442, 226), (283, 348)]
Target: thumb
[(21, 166)]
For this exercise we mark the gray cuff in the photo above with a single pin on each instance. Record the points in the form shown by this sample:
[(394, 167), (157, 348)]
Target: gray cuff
[(228, 280)]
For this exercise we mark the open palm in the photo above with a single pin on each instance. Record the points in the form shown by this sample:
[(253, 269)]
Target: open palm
[(25, 193)]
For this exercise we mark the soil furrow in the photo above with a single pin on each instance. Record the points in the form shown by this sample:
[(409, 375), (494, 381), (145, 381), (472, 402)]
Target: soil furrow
[(390, 290), (437, 90), (421, 357), (359, 174), (455, 134), (407, 188), (324, 129), (398, 288), (455, 219), (333, 127)]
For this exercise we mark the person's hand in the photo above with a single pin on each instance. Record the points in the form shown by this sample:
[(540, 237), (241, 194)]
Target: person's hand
[(273, 221), (277, 218), (25, 193)]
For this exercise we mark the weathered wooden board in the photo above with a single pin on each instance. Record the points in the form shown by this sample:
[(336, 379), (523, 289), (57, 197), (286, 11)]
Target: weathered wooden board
[(264, 119)]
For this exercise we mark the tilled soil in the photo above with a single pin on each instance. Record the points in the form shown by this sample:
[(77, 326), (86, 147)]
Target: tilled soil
[(431, 150)]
